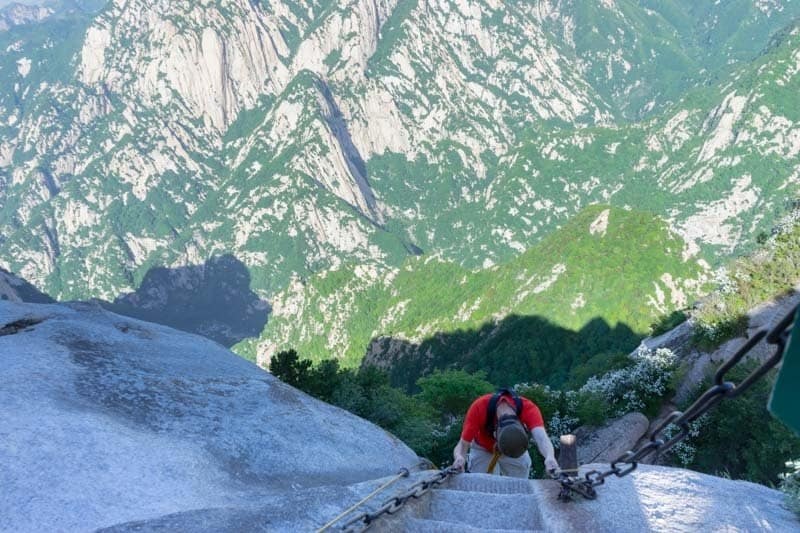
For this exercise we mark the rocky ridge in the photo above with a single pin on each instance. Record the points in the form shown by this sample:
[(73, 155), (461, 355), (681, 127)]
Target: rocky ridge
[(130, 420), (171, 115), (397, 316), (19, 14)]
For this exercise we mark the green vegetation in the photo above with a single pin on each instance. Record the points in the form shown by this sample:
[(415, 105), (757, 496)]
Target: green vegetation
[(513, 286), (430, 420), (667, 322), (740, 439), (391, 33), (468, 204), (769, 272), (737, 439), (367, 393), (541, 317)]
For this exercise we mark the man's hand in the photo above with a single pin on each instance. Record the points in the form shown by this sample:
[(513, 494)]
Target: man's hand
[(460, 455), (458, 462), (545, 448)]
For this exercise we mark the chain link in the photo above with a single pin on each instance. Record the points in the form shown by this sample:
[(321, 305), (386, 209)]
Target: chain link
[(392, 505), (720, 390)]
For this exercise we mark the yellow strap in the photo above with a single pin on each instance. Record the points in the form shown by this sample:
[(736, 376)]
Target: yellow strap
[(493, 462)]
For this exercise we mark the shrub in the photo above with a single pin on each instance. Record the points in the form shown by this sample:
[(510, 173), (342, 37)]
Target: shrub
[(742, 438), (430, 421), (287, 367), (451, 392), (596, 365), (684, 451), (637, 387), (765, 274), (712, 329), (667, 322), (790, 485), (548, 400)]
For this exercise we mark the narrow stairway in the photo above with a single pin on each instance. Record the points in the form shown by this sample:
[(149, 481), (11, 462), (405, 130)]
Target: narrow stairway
[(473, 503)]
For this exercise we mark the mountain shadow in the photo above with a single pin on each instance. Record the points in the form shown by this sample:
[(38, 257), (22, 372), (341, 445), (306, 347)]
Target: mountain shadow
[(16, 289), (517, 349), (213, 300)]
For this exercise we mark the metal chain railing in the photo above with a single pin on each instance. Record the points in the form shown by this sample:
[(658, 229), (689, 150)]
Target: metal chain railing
[(404, 472), (361, 522), (721, 389)]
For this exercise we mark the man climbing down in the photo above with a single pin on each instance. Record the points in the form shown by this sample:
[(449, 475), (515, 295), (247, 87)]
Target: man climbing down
[(496, 435)]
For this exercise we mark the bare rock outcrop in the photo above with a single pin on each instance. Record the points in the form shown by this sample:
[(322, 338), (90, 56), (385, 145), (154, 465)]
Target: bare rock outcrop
[(608, 442), (15, 289), (116, 424), (110, 420), (700, 363)]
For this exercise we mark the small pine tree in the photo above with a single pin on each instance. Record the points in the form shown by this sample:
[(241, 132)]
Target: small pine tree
[(287, 367)]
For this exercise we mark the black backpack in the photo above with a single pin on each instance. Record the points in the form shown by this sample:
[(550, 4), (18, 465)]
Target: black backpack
[(491, 412)]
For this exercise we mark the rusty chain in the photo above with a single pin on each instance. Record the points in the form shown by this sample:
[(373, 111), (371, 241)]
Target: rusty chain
[(392, 505), (720, 390)]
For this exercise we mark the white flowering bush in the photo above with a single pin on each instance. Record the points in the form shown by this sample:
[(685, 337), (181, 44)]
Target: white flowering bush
[(561, 424), (559, 408), (787, 224), (723, 281), (612, 394), (716, 321), (790, 486), (711, 332), (685, 450), (634, 387)]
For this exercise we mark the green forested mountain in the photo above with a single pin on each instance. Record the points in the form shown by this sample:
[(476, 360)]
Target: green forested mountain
[(589, 288), (312, 141)]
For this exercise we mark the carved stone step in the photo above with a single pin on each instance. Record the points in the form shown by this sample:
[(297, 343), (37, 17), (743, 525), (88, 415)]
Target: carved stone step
[(416, 525), (490, 483), (485, 510)]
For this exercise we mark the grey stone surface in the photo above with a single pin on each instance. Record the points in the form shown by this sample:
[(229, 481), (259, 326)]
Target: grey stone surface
[(107, 420), (677, 339), (291, 510), (608, 442), (15, 289), (463, 506), (413, 525), (768, 314), (656, 498), (110, 423), (652, 498)]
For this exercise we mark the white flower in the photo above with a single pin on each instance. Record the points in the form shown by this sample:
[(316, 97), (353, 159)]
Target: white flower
[(626, 389)]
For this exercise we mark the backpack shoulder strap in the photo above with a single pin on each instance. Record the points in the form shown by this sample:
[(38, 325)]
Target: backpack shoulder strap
[(517, 403), (491, 411)]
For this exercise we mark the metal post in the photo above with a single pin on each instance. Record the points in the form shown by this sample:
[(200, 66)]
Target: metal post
[(568, 453)]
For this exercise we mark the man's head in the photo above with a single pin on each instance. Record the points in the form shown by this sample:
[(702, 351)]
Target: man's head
[(512, 439)]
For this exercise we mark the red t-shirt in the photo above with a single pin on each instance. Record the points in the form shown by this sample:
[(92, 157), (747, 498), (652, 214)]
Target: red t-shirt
[(475, 422)]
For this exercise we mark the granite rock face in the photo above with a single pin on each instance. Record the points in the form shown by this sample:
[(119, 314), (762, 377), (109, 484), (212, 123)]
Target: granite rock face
[(608, 442), (652, 498), (15, 289), (116, 424), (109, 420)]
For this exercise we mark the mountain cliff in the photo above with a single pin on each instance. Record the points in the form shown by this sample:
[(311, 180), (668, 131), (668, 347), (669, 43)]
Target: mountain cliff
[(20, 14), (298, 135)]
